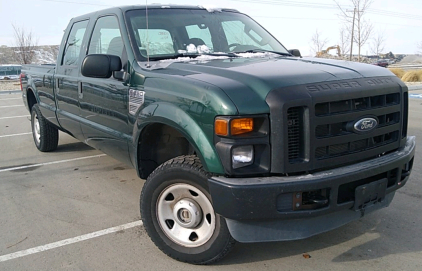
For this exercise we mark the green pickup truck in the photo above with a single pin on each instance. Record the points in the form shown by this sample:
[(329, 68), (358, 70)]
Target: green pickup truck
[(238, 138)]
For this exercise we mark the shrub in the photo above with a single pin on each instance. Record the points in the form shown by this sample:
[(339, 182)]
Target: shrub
[(398, 72), (412, 76)]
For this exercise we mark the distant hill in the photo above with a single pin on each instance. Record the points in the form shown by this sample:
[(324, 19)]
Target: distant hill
[(43, 54)]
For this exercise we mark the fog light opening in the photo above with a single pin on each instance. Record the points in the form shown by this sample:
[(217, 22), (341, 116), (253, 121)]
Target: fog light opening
[(310, 200), (242, 156)]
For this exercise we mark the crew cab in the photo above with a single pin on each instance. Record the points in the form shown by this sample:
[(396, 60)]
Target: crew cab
[(238, 138)]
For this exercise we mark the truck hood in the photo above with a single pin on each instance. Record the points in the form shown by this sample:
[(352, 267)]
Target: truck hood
[(247, 81)]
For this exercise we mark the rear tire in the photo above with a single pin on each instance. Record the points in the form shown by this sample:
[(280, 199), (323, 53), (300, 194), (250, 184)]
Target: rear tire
[(178, 215), (46, 136)]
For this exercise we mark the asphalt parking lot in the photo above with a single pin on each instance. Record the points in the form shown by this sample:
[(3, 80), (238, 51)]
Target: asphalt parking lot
[(78, 209)]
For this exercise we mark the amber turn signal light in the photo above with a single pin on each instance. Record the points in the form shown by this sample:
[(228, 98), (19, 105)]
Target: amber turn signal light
[(237, 126), (241, 126), (221, 127)]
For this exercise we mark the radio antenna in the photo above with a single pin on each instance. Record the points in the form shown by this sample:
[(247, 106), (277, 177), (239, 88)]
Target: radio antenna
[(146, 11)]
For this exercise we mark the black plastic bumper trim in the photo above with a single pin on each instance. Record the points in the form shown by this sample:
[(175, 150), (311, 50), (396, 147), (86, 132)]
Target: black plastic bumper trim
[(295, 229), (255, 198)]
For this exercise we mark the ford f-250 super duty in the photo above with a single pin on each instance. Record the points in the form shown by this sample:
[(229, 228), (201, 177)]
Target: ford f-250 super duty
[(237, 137)]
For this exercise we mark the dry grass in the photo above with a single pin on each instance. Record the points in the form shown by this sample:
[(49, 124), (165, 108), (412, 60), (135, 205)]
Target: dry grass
[(9, 85), (408, 76), (398, 72), (412, 76)]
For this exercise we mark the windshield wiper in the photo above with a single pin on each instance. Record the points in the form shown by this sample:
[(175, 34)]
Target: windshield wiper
[(192, 55), (174, 56), (265, 51), (221, 54)]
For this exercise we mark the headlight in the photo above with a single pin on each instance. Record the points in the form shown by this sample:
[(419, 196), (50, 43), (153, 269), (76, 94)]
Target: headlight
[(242, 156)]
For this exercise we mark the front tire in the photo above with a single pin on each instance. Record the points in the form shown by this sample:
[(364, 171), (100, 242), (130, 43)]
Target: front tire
[(46, 136), (178, 215)]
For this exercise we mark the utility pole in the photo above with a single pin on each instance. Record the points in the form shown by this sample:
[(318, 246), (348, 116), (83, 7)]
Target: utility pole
[(353, 32), (363, 28)]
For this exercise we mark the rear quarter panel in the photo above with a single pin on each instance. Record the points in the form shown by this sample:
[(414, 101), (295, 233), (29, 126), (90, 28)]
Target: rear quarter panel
[(39, 80)]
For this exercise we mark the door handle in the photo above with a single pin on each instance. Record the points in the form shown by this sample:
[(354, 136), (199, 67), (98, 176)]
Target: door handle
[(58, 85), (80, 93)]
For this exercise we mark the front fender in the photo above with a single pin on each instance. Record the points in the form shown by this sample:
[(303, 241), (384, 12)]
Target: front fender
[(173, 116)]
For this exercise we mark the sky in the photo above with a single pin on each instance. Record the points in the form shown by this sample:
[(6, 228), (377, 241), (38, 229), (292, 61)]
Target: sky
[(292, 22)]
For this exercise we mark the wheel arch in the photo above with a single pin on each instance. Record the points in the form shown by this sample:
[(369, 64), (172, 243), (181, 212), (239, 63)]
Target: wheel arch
[(31, 99), (153, 133)]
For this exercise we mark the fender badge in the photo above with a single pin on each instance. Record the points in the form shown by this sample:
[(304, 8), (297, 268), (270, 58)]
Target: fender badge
[(136, 100)]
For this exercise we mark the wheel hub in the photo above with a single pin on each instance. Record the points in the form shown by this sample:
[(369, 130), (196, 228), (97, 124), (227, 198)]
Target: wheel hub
[(36, 129), (187, 213)]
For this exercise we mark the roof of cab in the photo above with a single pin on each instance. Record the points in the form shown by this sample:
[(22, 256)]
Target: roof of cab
[(123, 9)]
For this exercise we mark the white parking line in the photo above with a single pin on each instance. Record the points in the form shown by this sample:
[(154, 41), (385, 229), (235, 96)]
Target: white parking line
[(15, 135), (69, 241), (14, 117), (10, 99), (52, 163), (6, 106), (10, 92)]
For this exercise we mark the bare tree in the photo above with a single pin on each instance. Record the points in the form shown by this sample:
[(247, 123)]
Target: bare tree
[(360, 29), (419, 45), (378, 44), (25, 44), (344, 41), (318, 43), (3, 57)]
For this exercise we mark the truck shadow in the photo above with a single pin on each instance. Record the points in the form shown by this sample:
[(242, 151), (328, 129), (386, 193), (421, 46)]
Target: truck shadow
[(373, 237), (73, 147)]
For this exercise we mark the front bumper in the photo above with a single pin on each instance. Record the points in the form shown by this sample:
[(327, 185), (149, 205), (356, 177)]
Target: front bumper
[(262, 208)]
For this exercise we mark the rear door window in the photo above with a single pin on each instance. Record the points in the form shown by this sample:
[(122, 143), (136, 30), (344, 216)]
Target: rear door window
[(73, 44)]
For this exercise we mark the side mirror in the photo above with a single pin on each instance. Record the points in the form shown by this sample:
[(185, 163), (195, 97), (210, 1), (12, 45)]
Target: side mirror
[(295, 52), (100, 66)]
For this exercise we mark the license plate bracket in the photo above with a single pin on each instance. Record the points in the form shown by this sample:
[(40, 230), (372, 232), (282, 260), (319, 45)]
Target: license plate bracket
[(369, 194)]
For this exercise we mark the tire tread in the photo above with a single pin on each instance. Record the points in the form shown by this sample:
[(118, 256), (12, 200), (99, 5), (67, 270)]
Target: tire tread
[(191, 163), (49, 135)]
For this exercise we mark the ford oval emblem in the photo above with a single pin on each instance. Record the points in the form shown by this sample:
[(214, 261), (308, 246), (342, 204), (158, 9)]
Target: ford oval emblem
[(365, 125)]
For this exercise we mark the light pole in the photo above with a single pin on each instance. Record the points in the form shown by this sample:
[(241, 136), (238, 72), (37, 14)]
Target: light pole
[(353, 32)]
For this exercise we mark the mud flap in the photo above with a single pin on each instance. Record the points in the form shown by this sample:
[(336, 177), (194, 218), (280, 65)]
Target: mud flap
[(369, 194)]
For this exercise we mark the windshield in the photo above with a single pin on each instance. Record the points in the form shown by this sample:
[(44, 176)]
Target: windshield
[(175, 32)]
